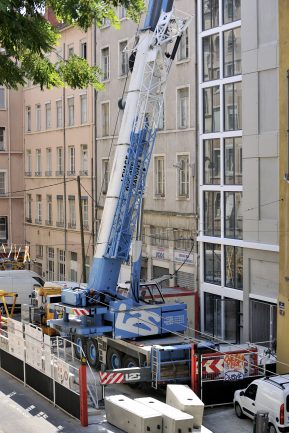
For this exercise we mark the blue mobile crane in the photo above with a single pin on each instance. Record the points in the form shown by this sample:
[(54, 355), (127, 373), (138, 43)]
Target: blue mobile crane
[(105, 313)]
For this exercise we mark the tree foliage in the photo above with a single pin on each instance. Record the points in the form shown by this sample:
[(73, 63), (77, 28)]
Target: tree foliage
[(27, 40)]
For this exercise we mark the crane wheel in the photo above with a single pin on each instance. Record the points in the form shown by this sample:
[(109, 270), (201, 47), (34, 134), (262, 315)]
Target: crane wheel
[(92, 354), (113, 359), (79, 343), (130, 362)]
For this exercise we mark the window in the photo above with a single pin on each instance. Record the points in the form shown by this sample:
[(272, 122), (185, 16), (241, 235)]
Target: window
[(3, 229), (233, 106), (3, 182), (159, 176), (48, 115), (48, 162), (28, 163), (122, 12), (212, 264), (61, 265), (231, 10), (38, 117), (105, 63), (161, 124), (159, 236), (183, 239), (212, 316), (38, 163), (210, 14), (232, 52), (83, 49), (28, 119), (60, 211), (211, 162), (38, 218), (49, 210), (233, 215), (70, 107), (105, 175), (59, 171), (29, 208), (211, 58), (183, 107), (83, 109), (84, 205), (72, 213), (2, 98), (183, 50), (233, 161), (212, 213), (251, 391), (2, 138), (59, 114), (73, 266), (123, 59), (84, 160), (183, 176), (39, 251), (234, 267), (50, 263), (211, 113), (71, 161), (105, 118), (70, 50)]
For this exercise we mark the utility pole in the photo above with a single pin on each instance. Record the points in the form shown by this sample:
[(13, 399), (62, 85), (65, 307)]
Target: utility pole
[(81, 231)]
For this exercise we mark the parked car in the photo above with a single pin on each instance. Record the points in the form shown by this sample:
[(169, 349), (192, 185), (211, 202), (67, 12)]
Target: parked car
[(270, 394)]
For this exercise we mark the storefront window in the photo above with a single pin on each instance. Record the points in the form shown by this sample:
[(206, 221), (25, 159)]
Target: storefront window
[(212, 264)]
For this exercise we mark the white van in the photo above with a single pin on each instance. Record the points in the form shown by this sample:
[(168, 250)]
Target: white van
[(270, 394), (21, 282)]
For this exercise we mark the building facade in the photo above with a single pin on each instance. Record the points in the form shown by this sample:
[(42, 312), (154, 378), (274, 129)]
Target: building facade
[(169, 217), (11, 168), (58, 146), (238, 168)]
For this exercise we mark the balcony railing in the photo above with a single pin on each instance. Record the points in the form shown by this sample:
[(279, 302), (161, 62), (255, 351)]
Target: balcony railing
[(38, 221), (48, 173), (37, 173), (59, 173), (28, 173), (28, 220), (83, 173), (59, 223), (85, 227), (72, 225), (71, 173), (48, 222)]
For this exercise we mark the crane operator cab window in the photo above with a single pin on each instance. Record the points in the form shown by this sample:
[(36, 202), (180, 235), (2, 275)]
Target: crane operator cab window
[(150, 294)]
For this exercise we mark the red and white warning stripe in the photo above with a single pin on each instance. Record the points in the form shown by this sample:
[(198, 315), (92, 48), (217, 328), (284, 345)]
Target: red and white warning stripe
[(110, 378), (80, 311)]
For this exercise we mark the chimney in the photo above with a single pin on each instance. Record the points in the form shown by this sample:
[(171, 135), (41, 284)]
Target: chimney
[(49, 16)]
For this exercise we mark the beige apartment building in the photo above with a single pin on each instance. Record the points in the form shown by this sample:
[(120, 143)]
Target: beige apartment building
[(170, 197), (58, 147), (11, 168)]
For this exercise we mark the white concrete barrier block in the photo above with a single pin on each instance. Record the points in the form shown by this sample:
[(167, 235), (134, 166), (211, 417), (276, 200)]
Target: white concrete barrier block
[(174, 420), (183, 398), (132, 416)]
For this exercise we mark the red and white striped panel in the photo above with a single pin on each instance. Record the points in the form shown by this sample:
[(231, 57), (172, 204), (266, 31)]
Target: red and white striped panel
[(110, 378), (80, 311)]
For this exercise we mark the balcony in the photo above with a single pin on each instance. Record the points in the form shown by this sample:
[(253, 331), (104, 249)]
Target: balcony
[(70, 173), (59, 173), (28, 173), (37, 173), (83, 173), (48, 222), (72, 225), (38, 221), (59, 223), (28, 220), (85, 227), (3, 194), (48, 173)]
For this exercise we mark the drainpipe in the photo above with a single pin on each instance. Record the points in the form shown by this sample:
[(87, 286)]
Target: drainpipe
[(94, 147), (64, 168)]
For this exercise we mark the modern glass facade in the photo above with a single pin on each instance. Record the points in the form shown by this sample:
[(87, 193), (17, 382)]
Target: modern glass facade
[(220, 166)]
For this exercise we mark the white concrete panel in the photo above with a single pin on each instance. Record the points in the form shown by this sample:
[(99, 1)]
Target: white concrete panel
[(250, 229), (269, 188), (264, 278), (174, 420), (269, 144), (183, 398), (267, 21), (249, 62), (250, 146), (132, 416), (268, 102), (250, 104), (250, 189), (267, 56), (249, 28), (268, 230)]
